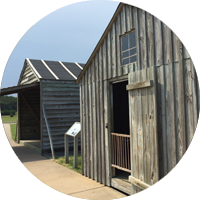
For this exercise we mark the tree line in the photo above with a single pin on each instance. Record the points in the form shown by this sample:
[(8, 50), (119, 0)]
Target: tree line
[(8, 105)]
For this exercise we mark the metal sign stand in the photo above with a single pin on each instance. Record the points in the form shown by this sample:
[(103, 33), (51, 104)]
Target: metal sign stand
[(74, 132)]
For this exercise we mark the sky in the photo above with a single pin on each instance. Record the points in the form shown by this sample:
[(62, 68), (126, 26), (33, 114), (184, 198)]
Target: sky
[(69, 35)]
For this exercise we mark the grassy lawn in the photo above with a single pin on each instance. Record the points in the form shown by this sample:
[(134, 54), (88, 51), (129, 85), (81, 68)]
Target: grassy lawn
[(8, 119), (13, 129), (70, 165)]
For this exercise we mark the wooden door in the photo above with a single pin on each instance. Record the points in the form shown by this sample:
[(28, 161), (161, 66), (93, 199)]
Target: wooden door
[(143, 128)]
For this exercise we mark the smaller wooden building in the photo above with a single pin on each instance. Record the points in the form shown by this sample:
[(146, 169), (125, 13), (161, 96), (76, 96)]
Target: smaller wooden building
[(47, 87), (140, 102)]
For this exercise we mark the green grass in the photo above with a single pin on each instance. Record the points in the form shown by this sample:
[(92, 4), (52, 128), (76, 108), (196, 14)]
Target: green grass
[(13, 130), (8, 119), (70, 165)]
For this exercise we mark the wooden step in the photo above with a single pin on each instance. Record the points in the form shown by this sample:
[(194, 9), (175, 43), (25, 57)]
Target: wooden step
[(121, 184)]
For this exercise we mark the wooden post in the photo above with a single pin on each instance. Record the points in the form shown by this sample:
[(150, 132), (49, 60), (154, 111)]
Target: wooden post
[(16, 131), (49, 133), (18, 117), (66, 149)]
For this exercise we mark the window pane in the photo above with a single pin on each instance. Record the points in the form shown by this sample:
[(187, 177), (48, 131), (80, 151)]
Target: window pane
[(125, 54), (133, 59), (132, 52), (124, 42), (132, 39), (125, 61)]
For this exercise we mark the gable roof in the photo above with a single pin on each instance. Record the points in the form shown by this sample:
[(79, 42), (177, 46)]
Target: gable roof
[(137, 5), (34, 70)]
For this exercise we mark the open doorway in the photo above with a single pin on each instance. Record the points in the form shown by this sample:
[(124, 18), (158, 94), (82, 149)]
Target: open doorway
[(120, 108), (120, 136)]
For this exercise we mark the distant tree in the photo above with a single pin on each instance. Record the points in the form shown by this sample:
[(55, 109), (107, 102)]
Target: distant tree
[(8, 103)]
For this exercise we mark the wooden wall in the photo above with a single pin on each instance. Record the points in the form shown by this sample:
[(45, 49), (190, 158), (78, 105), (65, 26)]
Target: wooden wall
[(177, 91), (62, 105), (29, 125), (27, 76)]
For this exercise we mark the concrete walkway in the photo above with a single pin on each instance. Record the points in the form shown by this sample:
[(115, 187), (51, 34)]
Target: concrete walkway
[(61, 178)]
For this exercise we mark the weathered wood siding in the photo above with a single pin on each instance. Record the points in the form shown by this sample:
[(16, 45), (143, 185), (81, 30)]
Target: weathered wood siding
[(28, 124), (62, 105), (143, 128), (28, 76), (177, 91)]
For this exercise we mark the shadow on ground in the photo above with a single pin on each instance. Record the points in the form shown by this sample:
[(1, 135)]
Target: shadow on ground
[(27, 155)]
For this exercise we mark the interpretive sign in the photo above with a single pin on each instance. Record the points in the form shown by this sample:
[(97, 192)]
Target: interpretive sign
[(74, 132)]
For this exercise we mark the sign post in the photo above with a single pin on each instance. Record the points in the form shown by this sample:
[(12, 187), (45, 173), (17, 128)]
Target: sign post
[(74, 132)]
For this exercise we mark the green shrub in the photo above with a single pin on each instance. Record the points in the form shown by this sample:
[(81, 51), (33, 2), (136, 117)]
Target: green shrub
[(11, 115), (8, 112)]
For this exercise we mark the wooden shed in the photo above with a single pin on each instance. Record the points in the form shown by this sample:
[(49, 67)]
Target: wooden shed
[(48, 102), (139, 102)]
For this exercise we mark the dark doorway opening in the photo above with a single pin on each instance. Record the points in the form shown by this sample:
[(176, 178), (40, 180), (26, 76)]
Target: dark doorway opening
[(120, 108), (120, 137)]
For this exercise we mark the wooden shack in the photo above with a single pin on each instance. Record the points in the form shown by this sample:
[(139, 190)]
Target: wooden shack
[(139, 102), (48, 102)]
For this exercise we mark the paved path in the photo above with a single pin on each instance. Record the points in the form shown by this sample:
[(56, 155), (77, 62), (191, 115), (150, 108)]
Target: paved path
[(61, 178)]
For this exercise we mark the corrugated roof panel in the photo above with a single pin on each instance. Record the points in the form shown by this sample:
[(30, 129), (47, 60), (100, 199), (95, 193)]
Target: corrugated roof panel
[(42, 70), (59, 71), (73, 68)]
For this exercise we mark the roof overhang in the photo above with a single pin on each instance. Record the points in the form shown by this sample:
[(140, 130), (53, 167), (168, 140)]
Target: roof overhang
[(17, 89), (118, 10)]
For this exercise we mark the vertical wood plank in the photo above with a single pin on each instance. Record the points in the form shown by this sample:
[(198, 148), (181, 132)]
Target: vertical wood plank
[(162, 120), (101, 125), (105, 70), (123, 19), (83, 127), (118, 46), (143, 41), (81, 120), (158, 61), (190, 96), (158, 42), (90, 123), (136, 26), (179, 98), (150, 39), (94, 119), (147, 135), (145, 123), (98, 120), (107, 133), (153, 126), (87, 124), (109, 55), (140, 129), (133, 128), (128, 17), (170, 115), (113, 39)]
